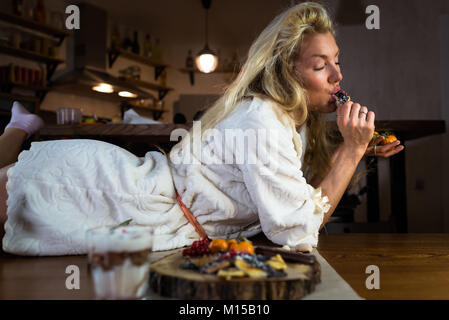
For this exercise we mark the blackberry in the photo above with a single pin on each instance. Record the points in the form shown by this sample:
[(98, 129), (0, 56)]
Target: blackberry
[(342, 96)]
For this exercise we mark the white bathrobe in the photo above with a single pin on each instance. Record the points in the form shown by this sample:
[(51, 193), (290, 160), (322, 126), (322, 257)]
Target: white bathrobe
[(60, 189)]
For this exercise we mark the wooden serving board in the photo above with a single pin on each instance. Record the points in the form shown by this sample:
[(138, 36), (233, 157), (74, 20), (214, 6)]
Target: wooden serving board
[(168, 279)]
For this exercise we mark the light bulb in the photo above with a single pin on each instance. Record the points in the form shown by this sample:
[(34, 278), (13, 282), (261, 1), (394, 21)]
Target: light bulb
[(206, 62), (127, 94), (103, 87)]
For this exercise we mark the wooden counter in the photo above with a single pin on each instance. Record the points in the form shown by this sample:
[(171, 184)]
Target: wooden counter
[(412, 266), (137, 139), (405, 129), (160, 131)]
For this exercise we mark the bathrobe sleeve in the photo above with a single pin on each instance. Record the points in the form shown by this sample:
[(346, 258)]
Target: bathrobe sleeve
[(290, 210)]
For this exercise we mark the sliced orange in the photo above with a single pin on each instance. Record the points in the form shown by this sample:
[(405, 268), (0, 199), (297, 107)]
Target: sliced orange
[(245, 246), (218, 244), (231, 242), (389, 139)]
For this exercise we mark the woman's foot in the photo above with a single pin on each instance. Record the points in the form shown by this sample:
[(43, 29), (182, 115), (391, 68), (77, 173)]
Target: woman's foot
[(22, 119)]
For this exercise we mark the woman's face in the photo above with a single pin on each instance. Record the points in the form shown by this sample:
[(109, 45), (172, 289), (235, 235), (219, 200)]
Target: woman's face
[(319, 69)]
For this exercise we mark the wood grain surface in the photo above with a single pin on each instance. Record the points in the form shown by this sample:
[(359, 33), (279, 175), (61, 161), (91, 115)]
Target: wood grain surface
[(406, 129), (412, 266), (162, 129)]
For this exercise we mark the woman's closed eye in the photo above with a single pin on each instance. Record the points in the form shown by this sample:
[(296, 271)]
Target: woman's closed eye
[(321, 68)]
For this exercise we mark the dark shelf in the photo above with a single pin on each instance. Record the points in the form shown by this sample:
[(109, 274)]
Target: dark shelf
[(33, 87), (35, 26), (162, 91), (113, 54), (137, 58), (127, 131), (29, 55), (40, 91), (31, 27), (19, 97), (51, 62)]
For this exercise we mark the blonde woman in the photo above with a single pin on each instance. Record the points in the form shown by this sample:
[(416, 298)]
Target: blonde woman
[(283, 178)]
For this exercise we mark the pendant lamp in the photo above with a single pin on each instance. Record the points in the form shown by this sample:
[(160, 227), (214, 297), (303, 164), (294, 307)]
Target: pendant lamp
[(206, 60)]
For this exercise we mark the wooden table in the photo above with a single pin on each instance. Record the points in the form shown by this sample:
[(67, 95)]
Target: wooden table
[(412, 266), (136, 138)]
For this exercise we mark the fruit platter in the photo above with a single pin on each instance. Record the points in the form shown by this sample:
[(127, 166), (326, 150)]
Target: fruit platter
[(235, 269)]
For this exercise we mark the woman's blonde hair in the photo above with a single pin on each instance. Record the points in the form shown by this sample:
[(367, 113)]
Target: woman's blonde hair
[(269, 73), (269, 68)]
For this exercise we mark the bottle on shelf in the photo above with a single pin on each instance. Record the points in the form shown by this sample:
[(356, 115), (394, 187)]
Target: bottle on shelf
[(147, 47), (28, 9), (163, 78), (17, 6), (189, 60), (135, 47), (115, 38), (157, 52), (39, 12), (127, 43)]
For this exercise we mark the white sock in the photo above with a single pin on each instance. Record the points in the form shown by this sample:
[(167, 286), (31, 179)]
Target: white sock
[(22, 119)]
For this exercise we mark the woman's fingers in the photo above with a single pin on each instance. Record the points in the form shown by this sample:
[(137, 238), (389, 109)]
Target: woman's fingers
[(356, 129), (344, 110), (376, 141), (370, 118), (386, 150), (355, 109), (394, 151), (363, 113), (391, 149)]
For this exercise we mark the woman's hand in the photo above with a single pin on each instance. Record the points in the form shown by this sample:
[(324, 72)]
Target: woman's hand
[(384, 151), (356, 125)]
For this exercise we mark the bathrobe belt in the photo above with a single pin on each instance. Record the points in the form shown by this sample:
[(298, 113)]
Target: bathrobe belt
[(190, 217)]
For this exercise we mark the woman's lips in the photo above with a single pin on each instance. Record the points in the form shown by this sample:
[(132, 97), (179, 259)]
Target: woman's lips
[(336, 89), (333, 97)]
